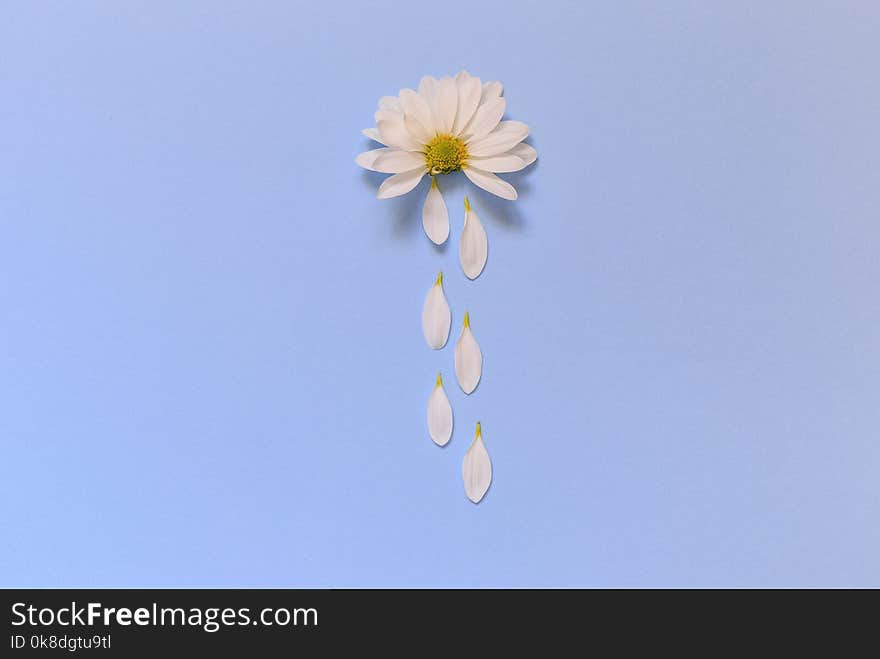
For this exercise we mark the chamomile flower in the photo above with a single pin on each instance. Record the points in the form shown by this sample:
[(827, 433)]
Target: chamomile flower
[(448, 125)]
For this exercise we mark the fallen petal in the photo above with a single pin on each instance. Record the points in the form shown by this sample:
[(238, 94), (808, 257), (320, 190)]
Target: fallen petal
[(439, 414), (468, 358), (436, 316), (476, 469), (473, 248), (435, 216)]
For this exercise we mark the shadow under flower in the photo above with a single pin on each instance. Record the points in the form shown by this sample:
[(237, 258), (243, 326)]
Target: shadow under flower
[(503, 211), (500, 211), (405, 209)]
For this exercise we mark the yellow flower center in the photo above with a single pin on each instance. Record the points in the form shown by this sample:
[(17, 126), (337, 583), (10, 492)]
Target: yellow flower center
[(445, 154)]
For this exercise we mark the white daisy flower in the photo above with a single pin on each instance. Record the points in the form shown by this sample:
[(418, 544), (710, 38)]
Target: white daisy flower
[(447, 125)]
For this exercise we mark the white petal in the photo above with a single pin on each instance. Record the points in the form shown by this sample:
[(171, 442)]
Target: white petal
[(389, 103), (490, 183), (435, 216), (439, 414), (468, 359), (491, 90), (394, 161), (417, 115), (387, 115), (469, 91), (427, 88), (473, 248), (476, 468), (373, 134), (420, 134), (399, 184), (395, 133), (436, 316), (506, 136), (445, 104), (485, 119), (367, 159), (526, 152), (506, 162)]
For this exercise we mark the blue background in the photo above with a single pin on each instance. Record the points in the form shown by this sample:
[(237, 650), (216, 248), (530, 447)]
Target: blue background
[(212, 370)]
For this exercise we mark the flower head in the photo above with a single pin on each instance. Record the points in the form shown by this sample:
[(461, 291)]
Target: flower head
[(448, 125), (445, 154)]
